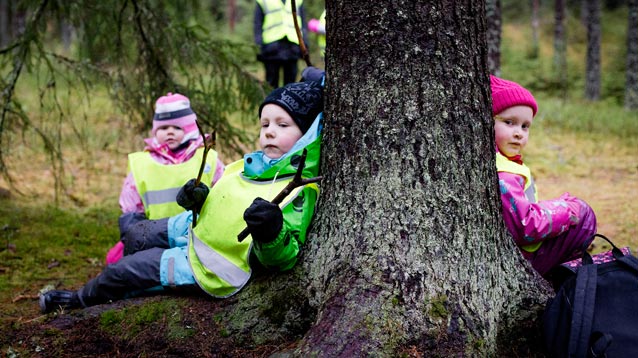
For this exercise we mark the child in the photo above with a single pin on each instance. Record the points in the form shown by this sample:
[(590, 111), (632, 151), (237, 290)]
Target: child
[(548, 232), (211, 257), (318, 26), (172, 156)]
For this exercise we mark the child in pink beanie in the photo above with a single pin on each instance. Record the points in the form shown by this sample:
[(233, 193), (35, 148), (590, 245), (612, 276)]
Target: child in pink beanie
[(172, 156), (548, 232)]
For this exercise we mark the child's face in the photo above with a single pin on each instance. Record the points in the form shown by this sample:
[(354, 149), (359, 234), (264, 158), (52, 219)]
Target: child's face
[(171, 135), (511, 129), (278, 131)]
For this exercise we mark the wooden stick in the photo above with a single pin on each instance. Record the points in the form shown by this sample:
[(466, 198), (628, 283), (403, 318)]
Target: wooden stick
[(207, 147), (296, 182), (302, 44)]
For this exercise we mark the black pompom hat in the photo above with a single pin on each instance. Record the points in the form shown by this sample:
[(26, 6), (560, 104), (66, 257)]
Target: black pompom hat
[(302, 100)]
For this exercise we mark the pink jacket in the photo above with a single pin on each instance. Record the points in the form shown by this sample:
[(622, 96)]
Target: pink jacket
[(531, 222), (130, 200)]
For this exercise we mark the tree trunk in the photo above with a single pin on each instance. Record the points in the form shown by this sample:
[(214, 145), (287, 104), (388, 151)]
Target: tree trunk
[(232, 14), (592, 85), (493, 15), (560, 46), (631, 84), (5, 27), (411, 252), (535, 25)]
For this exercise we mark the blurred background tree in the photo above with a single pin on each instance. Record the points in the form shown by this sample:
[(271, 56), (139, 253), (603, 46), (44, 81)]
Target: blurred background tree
[(68, 65)]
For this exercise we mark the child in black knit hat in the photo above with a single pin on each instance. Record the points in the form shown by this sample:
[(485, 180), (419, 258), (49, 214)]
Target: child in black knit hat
[(209, 257)]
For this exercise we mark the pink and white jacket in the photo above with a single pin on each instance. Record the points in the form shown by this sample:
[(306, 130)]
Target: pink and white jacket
[(530, 222), (130, 200)]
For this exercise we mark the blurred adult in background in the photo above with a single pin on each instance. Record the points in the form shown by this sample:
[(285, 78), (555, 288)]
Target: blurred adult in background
[(276, 37)]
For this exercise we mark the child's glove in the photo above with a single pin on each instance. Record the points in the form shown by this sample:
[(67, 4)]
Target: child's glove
[(191, 197), (264, 220)]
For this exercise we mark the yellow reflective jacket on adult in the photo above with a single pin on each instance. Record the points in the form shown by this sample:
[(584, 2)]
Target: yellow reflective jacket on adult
[(321, 41), (278, 21), (158, 184)]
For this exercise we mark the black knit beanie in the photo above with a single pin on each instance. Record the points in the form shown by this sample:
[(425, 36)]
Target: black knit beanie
[(302, 100)]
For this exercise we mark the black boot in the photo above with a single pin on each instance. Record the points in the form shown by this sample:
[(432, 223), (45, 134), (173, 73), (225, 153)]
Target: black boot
[(52, 300)]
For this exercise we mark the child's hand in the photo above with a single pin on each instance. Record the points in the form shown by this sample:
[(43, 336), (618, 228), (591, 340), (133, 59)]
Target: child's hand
[(264, 220), (191, 197)]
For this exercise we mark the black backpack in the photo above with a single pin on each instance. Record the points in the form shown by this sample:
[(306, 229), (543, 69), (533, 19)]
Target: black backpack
[(595, 312)]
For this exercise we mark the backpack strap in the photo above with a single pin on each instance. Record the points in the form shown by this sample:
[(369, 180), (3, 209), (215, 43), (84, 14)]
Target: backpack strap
[(583, 314), (598, 343), (629, 261)]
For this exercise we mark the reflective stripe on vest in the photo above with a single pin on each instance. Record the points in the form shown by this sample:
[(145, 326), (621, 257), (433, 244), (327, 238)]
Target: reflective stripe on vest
[(219, 262), (278, 21), (505, 165), (158, 184)]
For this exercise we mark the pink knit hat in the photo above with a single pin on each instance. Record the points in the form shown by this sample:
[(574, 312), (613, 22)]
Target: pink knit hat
[(175, 110), (507, 94)]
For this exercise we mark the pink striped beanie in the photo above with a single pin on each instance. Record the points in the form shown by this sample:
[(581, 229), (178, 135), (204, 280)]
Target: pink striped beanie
[(175, 110)]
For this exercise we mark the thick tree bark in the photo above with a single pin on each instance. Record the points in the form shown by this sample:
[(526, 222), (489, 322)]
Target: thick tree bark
[(410, 250), (592, 85), (493, 15), (631, 85), (560, 46)]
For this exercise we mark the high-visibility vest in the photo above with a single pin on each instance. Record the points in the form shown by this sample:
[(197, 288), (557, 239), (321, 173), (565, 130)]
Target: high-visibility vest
[(505, 165), (278, 21), (218, 260), (321, 41), (158, 184)]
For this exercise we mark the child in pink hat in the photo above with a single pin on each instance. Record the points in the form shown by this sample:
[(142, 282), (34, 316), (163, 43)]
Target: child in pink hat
[(548, 232), (172, 156)]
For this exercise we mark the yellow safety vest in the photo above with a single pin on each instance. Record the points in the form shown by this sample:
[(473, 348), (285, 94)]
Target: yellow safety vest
[(321, 41), (158, 184), (505, 165), (278, 21), (219, 262)]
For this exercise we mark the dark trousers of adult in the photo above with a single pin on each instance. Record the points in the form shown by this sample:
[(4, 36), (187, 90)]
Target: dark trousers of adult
[(137, 272), (273, 67)]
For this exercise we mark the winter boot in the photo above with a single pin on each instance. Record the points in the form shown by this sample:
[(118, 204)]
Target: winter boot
[(52, 300)]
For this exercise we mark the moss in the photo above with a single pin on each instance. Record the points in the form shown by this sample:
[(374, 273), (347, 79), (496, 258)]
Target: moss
[(130, 321), (110, 318), (438, 308)]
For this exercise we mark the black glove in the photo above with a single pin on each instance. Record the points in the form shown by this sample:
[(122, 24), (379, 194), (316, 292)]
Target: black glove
[(264, 220), (191, 197)]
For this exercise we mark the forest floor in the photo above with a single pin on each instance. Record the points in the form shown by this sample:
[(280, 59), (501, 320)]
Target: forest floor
[(604, 173)]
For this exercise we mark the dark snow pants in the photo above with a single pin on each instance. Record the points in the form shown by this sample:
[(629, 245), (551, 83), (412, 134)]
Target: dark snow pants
[(138, 271)]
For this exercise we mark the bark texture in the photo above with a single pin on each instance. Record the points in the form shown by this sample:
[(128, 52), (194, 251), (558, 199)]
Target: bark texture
[(592, 85), (411, 252)]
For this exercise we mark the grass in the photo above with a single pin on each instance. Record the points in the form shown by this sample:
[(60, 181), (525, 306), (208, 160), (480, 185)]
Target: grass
[(49, 247)]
